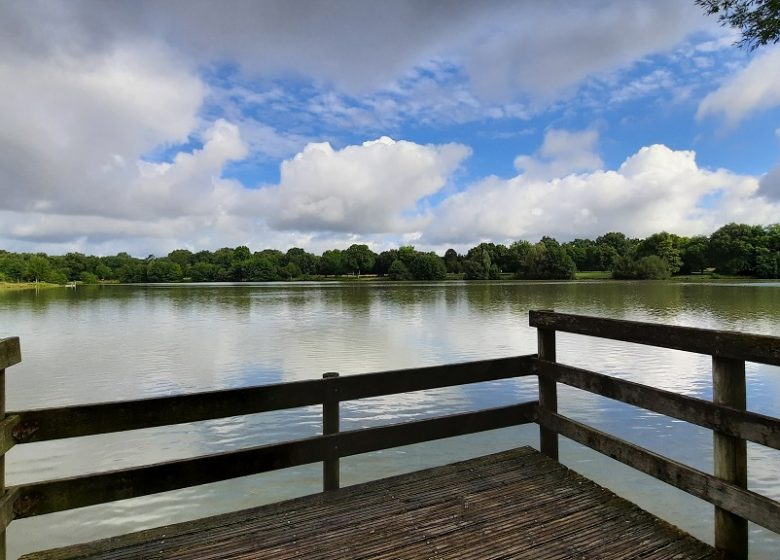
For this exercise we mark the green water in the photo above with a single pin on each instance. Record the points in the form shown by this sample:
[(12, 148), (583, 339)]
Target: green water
[(96, 344)]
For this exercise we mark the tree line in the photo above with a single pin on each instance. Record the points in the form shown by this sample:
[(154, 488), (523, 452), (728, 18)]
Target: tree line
[(734, 249)]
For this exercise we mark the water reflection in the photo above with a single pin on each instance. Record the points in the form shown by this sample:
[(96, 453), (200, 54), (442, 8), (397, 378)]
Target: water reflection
[(121, 342)]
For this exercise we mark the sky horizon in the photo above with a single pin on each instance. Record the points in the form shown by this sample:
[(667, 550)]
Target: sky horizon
[(146, 127)]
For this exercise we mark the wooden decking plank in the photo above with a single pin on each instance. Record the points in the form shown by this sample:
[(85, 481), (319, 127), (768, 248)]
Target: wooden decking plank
[(453, 524), (427, 496), (381, 510), (517, 504), (423, 513), (312, 507)]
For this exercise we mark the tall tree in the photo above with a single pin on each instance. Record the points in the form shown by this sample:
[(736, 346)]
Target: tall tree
[(359, 258)]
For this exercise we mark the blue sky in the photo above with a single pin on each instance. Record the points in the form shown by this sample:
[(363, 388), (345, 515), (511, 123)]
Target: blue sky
[(191, 124)]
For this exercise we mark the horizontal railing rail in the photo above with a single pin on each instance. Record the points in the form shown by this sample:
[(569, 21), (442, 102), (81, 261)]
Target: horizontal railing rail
[(751, 426), (757, 348), (68, 493), (10, 352), (76, 421), (727, 416), (750, 505), (49, 496)]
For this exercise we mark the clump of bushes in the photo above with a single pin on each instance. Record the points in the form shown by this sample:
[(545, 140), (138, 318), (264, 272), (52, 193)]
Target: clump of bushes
[(651, 267)]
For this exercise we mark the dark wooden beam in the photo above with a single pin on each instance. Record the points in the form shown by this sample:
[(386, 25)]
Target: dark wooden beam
[(728, 388), (68, 493), (75, 421), (10, 352), (731, 421), (724, 344), (352, 387), (744, 503)]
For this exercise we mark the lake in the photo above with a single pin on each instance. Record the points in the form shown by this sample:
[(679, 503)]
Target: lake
[(94, 344)]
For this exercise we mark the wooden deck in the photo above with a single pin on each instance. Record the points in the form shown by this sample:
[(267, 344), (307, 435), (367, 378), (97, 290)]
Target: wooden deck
[(516, 504)]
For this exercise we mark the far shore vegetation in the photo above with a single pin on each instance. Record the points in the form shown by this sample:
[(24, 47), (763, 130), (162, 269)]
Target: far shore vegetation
[(735, 251)]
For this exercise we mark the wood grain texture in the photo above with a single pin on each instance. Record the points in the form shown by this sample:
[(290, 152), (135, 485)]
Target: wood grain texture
[(728, 388), (730, 497), (726, 419), (76, 421), (10, 352), (548, 392), (517, 504), (725, 344), (68, 493)]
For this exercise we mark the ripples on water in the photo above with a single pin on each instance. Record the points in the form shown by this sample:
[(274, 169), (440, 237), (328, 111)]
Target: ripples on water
[(118, 343)]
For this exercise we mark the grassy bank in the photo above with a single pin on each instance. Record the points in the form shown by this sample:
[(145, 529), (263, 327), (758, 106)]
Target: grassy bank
[(28, 286)]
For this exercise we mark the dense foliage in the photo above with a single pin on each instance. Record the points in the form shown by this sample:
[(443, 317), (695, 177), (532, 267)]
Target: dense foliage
[(757, 20), (737, 249)]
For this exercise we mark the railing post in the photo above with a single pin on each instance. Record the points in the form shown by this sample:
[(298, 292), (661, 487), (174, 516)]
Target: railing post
[(548, 396), (10, 354), (2, 459), (728, 388), (330, 425)]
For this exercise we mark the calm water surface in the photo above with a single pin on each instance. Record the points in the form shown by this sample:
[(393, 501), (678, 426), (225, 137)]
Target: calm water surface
[(126, 342)]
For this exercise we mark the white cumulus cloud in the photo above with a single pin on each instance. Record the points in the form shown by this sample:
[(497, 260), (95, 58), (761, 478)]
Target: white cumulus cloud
[(71, 123), (562, 152), (655, 189), (369, 188), (754, 88)]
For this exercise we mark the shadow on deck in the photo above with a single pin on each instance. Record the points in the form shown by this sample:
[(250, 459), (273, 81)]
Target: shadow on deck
[(515, 504)]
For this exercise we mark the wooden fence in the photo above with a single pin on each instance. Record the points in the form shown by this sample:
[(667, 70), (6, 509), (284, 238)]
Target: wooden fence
[(732, 425), (726, 416), (21, 427)]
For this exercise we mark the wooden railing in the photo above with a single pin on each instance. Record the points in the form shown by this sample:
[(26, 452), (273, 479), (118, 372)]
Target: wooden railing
[(21, 427), (732, 425)]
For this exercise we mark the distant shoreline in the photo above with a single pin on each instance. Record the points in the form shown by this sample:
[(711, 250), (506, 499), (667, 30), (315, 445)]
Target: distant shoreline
[(12, 286), (587, 276)]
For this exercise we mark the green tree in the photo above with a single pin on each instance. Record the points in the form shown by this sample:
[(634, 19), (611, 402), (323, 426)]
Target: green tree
[(479, 266), (768, 265), (695, 256), (307, 263), (428, 266), (203, 271), (733, 248), (359, 258), (499, 254), (13, 266), (163, 270), (290, 271), (262, 269), (75, 264), (103, 272), (516, 256), (613, 245), (184, 258), (132, 272), (398, 271), (452, 261), (757, 20), (332, 263), (665, 245), (547, 260), (38, 268), (89, 278), (651, 267), (407, 253), (384, 260)]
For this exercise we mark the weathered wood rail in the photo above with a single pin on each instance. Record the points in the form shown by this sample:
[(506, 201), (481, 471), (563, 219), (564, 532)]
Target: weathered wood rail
[(732, 425)]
